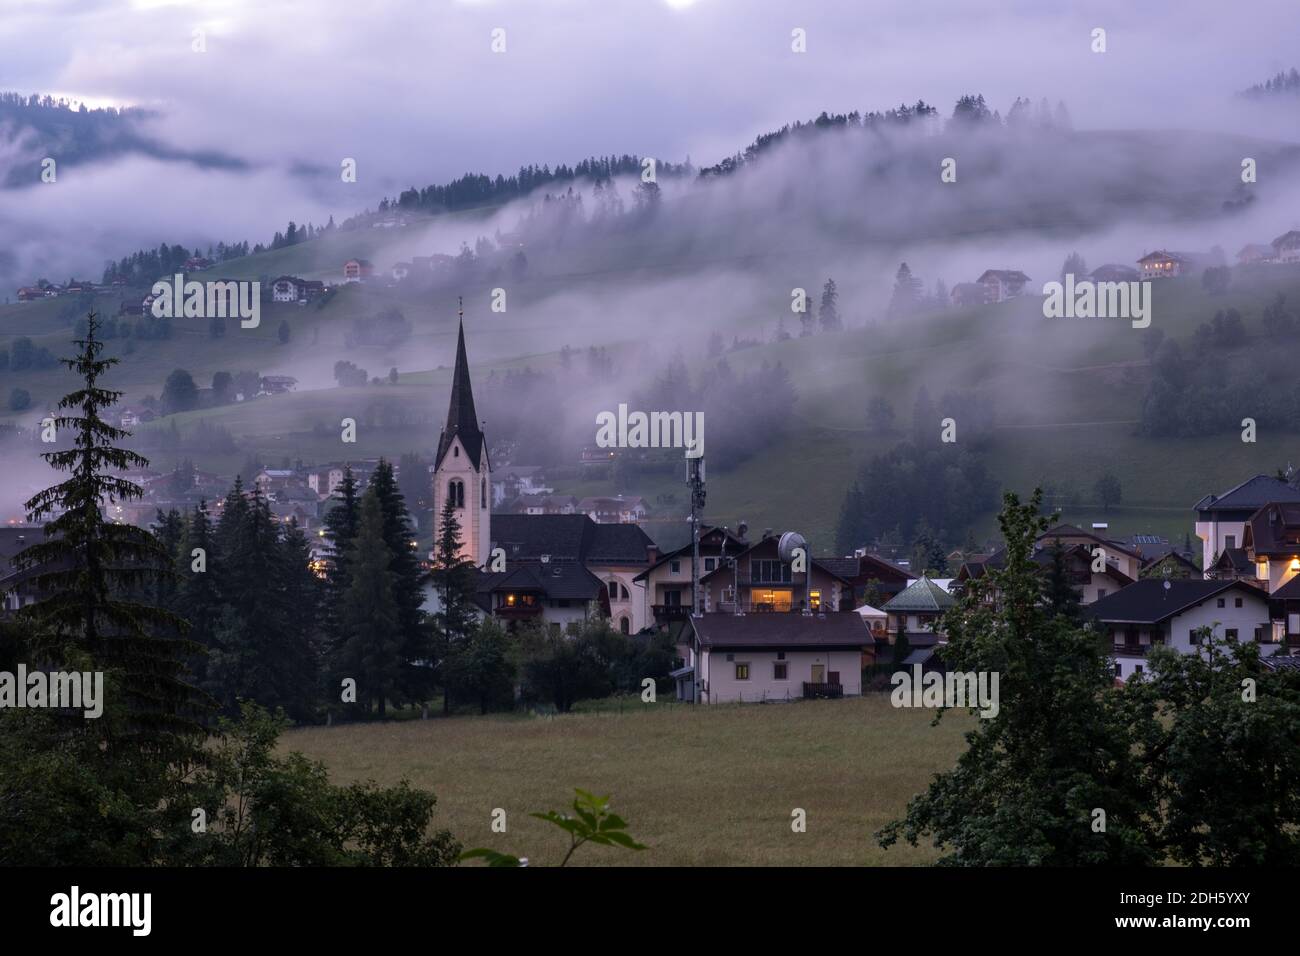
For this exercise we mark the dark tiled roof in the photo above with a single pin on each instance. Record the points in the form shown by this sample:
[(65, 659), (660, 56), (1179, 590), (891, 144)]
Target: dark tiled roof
[(558, 580), (462, 420), (836, 629), (1153, 600), (1250, 495), (1281, 662), (1234, 559), (1274, 529), (1289, 591), (571, 537), (846, 568)]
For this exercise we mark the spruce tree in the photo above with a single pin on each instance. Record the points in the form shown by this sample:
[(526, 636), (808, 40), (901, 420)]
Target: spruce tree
[(89, 571), (197, 598), (370, 615), (415, 680), (453, 577)]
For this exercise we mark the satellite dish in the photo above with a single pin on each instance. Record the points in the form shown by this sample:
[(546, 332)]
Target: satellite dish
[(1166, 584), (790, 542)]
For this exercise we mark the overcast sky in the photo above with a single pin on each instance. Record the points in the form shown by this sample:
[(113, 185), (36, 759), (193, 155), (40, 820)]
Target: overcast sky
[(412, 90)]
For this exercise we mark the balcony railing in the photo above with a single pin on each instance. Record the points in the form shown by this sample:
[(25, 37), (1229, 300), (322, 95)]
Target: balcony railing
[(519, 612), (1132, 650), (814, 689), (671, 612)]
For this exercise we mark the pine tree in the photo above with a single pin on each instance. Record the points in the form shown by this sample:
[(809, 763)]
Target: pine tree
[(370, 615), (415, 680), (197, 597), (298, 651), (829, 314), (454, 578), (907, 292), (87, 568)]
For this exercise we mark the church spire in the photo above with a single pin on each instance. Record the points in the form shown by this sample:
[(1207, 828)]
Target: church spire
[(462, 420)]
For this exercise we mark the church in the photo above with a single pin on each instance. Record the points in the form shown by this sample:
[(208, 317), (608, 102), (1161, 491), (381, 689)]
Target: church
[(557, 567), (462, 470)]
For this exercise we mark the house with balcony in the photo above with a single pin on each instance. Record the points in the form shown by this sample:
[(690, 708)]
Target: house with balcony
[(1221, 519), (613, 556), (1286, 247), (1163, 265), (1153, 612), (1123, 563), (667, 581), (554, 592), (757, 580), (738, 658)]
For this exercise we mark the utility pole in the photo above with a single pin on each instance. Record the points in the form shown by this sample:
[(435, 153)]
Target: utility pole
[(696, 480)]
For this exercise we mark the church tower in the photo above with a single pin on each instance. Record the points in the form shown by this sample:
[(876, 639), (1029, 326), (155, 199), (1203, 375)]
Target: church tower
[(461, 470)]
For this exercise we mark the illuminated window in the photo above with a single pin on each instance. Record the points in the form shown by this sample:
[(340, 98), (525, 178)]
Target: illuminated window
[(815, 600), (1261, 568), (742, 672)]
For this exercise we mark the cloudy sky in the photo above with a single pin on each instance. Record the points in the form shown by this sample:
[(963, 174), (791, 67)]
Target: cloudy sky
[(414, 92)]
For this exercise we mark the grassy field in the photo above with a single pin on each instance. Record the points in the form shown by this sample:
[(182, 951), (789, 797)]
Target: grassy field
[(701, 786)]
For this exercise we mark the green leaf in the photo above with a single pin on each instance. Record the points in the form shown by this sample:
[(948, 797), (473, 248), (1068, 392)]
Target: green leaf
[(492, 856)]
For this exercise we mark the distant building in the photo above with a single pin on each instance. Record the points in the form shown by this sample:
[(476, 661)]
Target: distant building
[(1286, 247), (1002, 284), (197, 263), (617, 510), (276, 384), (1114, 273), (358, 270), (1255, 252)]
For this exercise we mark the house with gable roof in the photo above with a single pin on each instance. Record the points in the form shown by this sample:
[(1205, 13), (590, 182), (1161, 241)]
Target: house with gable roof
[(1221, 519)]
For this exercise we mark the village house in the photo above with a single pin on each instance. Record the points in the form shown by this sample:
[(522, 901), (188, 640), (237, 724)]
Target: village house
[(1002, 284), (358, 270), (757, 657), (668, 585), (1112, 272), (617, 510), (914, 614), (755, 579), (1163, 264), (324, 479), (1254, 253), (276, 384), (1221, 519), (1123, 562), (612, 556), (1154, 611), (1286, 247), (400, 271), (541, 504), (514, 481)]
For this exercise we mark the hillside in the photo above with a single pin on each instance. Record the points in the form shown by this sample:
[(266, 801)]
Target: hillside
[(1067, 393)]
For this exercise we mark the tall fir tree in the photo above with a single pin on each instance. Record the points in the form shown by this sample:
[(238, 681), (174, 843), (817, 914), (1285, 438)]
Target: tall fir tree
[(415, 681), (90, 571), (453, 577), (370, 615)]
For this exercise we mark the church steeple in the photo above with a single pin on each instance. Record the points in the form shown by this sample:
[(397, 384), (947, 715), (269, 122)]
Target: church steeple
[(462, 471), (462, 420)]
